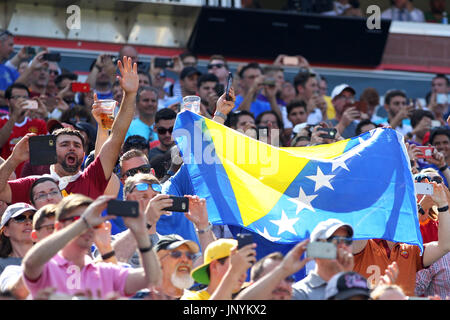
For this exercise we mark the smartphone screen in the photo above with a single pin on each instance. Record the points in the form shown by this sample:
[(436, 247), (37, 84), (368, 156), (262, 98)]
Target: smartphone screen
[(426, 152), (80, 87), (321, 250), (423, 188), (244, 239)]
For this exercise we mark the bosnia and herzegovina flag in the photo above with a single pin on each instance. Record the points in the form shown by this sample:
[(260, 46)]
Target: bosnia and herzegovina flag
[(282, 193)]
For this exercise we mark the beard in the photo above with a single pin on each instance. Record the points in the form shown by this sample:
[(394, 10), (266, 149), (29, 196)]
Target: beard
[(73, 167), (181, 282)]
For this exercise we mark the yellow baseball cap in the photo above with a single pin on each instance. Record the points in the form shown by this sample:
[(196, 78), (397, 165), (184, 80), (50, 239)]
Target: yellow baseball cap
[(215, 250)]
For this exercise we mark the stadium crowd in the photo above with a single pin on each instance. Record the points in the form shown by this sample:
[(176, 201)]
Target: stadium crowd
[(58, 242)]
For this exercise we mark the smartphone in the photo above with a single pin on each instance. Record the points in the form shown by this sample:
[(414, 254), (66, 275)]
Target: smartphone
[(290, 61), (262, 132), (80, 87), (244, 239), (435, 124), (220, 89), (123, 208), (361, 106), (426, 152), (30, 51), (55, 57), (163, 62), (330, 133), (31, 104), (269, 82), (229, 84), (42, 150), (321, 250), (441, 98), (423, 188), (180, 204)]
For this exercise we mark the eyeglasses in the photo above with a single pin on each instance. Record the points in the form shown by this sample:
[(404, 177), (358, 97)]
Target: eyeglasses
[(144, 187), (338, 240), (162, 130), (54, 72), (217, 65), (43, 196), (48, 227), (21, 218), (177, 254), (436, 179), (71, 219), (143, 169)]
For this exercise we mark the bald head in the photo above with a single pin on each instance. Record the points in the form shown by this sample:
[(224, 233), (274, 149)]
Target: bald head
[(129, 51)]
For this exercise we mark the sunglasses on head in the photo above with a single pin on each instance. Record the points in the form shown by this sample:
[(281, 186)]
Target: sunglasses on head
[(21, 218), (217, 65), (436, 179), (143, 169), (339, 240), (177, 254), (162, 130), (143, 186)]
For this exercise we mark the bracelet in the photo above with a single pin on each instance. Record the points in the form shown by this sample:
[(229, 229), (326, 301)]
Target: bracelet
[(86, 222), (443, 168), (108, 255), (221, 115), (443, 209), (420, 209), (209, 227)]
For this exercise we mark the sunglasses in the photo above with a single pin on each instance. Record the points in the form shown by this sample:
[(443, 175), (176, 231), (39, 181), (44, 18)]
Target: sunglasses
[(71, 219), (53, 71), (217, 65), (436, 179), (21, 218), (338, 240), (162, 130), (177, 254), (290, 279), (144, 187), (143, 169)]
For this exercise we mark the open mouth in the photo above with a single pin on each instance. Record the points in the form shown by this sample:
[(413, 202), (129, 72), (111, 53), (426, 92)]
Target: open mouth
[(71, 160), (184, 269)]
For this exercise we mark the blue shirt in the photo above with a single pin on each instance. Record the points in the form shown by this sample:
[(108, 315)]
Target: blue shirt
[(7, 76), (137, 127), (103, 96), (257, 106)]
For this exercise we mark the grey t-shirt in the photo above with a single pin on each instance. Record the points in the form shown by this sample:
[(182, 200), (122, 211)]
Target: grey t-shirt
[(312, 287), (4, 262)]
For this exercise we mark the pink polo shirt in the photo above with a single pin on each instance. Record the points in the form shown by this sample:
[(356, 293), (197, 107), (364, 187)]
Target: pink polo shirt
[(67, 278)]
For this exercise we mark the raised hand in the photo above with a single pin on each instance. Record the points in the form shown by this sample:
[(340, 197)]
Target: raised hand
[(292, 261), (21, 151), (225, 106), (93, 214), (197, 214), (129, 79)]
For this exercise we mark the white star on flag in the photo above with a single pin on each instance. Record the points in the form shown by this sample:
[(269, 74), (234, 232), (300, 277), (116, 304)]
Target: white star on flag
[(339, 163), (303, 201), (285, 224), (321, 180), (266, 235)]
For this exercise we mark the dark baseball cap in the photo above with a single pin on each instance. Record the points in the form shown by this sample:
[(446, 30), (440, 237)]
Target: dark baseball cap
[(188, 71), (345, 285)]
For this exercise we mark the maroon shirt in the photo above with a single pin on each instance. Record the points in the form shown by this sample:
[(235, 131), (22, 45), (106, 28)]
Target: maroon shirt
[(91, 183)]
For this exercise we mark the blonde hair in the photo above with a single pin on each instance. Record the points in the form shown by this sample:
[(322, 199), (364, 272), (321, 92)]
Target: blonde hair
[(47, 211), (70, 203), (133, 180), (379, 290)]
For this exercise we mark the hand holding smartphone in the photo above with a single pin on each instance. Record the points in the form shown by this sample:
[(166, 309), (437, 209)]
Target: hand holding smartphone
[(244, 239), (321, 250), (426, 152), (180, 204)]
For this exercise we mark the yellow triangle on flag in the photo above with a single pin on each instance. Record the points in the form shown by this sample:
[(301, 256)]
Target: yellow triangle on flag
[(258, 173)]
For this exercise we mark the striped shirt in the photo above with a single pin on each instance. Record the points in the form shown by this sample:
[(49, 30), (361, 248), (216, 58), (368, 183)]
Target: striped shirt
[(434, 280)]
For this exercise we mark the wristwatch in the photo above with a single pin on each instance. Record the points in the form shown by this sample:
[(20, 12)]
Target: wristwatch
[(221, 115)]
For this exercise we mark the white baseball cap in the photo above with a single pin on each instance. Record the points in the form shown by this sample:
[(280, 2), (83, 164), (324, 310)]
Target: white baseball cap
[(325, 229), (15, 210), (338, 90)]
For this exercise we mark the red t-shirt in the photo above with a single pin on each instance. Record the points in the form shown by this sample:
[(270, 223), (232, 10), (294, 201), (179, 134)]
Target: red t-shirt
[(429, 230), (19, 130), (91, 183)]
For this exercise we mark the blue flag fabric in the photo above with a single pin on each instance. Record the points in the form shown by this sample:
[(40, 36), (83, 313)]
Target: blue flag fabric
[(367, 184)]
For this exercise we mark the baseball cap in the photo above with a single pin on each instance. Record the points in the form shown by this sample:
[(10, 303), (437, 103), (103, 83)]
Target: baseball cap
[(345, 285), (325, 229), (215, 250), (15, 210), (188, 71), (54, 124), (173, 241), (338, 90)]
